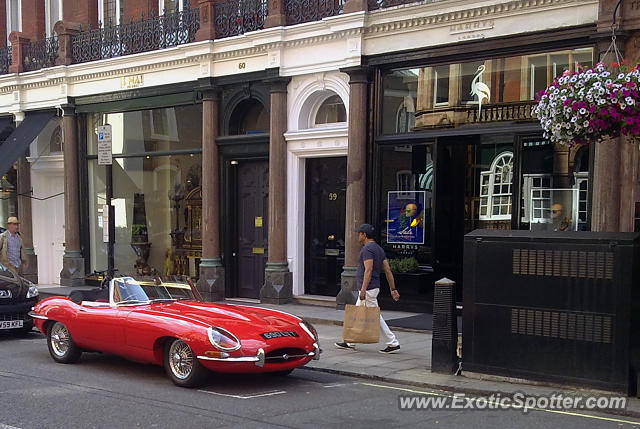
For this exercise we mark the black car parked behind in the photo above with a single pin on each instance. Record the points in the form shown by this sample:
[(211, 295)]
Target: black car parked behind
[(17, 296)]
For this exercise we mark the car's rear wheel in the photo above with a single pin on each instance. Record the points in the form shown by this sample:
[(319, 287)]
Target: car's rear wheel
[(61, 346), (182, 365)]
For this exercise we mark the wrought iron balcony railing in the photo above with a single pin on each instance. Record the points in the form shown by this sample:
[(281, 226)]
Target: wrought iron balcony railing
[(39, 54), (299, 11), (5, 59), (234, 17), (172, 28)]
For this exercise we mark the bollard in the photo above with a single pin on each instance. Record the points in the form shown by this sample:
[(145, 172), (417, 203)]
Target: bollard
[(444, 340)]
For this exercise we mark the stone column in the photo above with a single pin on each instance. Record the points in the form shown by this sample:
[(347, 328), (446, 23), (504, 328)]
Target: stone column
[(72, 273), (25, 216), (356, 181), (278, 280), (211, 281), (207, 29), (605, 215), (276, 16)]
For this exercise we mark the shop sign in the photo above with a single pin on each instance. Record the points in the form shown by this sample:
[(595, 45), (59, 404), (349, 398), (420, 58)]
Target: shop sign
[(104, 145), (405, 217), (130, 82)]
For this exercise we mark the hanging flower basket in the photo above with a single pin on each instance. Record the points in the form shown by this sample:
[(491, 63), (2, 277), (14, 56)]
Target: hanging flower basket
[(591, 105)]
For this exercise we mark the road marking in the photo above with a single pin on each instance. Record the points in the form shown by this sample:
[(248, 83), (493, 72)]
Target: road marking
[(7, 427), (567, 413), (247, 396), (334, 385)]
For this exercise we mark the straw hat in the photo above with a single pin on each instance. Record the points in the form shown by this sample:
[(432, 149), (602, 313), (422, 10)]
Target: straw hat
[(13, 219)]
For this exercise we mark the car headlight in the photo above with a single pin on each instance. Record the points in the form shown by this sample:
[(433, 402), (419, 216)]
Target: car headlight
[(33, 291), (309, 329), (223, 339)]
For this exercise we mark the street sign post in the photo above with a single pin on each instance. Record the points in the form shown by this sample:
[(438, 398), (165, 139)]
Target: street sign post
[(105, 157)]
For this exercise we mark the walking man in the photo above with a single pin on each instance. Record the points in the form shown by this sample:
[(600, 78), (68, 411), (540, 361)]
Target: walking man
[(371, 262), (12, 253)]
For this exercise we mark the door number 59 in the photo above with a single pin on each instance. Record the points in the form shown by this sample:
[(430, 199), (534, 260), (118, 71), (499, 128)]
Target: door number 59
[(333, 196)]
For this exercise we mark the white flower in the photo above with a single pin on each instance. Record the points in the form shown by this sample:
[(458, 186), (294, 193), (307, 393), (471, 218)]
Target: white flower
[(604, 73), (582, 111), (585, 124), (621, 76)]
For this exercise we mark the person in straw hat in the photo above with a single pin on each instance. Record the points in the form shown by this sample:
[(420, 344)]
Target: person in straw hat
[(11, 249)]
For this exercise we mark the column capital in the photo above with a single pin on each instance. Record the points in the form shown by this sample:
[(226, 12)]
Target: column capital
[(208, 89), (278, 84), (65, 31), (358, 74), (68, 109), (276, 16)]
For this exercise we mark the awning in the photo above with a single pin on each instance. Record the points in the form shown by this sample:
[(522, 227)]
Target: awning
[(18, 142)]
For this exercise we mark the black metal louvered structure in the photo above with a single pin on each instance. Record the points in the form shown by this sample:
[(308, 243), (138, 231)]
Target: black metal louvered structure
[(553, 306)]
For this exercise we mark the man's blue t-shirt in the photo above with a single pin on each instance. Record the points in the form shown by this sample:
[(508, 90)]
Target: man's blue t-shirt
[(371, 250)]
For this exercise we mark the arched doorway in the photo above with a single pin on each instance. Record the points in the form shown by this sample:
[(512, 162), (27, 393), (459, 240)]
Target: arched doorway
[(245, 158)]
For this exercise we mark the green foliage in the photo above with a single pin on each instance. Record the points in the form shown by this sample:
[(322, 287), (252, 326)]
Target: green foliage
[(138, 229), (404, 265)]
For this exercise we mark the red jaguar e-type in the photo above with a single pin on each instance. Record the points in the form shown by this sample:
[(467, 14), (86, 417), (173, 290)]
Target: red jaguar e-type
[(166, 324)]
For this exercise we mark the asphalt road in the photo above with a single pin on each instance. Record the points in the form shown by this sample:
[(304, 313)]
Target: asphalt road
[(105, 391)]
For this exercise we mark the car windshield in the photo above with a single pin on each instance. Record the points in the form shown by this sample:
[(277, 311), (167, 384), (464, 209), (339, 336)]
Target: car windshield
[(128, 290)]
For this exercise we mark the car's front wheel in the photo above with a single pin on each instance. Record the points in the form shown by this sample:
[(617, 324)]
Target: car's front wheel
[(61, 346), (182, 365)]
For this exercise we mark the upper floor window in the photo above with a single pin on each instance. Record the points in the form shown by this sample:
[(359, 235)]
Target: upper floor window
[(170, 5), (14, 16), (53, 11), (111, 11)]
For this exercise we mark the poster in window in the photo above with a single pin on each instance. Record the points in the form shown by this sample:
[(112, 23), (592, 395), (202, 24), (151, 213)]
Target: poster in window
[(405, 217)]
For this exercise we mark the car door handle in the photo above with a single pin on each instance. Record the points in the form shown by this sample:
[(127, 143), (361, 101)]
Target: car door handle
[(82, 309)]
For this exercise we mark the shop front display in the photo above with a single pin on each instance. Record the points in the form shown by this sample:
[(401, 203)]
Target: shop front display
[(156, 190), (458, 149)]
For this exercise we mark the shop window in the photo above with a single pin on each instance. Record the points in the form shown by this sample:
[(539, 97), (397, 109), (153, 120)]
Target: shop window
[(163, 125), (405, 201), (55, 142), (581, 183), (495, 189), (470, 72), (441, 85), (399, 101), (331, 111), (417, 99), (536, 197), (249, 117)]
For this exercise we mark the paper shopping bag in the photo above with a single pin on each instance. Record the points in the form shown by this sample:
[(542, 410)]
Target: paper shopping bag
[(361, 324)]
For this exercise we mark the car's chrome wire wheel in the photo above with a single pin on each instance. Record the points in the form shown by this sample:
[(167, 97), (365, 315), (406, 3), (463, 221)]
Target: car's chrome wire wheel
[(60, 339), (181, 359)]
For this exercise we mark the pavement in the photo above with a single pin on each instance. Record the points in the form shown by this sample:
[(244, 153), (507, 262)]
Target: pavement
[(410, 366)]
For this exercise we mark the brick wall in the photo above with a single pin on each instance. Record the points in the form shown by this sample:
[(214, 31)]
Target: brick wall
[(33, 19), (83, 12), (134, 9)]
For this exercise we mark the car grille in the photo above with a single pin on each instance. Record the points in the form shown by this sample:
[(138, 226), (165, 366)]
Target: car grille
[(285, 355), (12, 316)]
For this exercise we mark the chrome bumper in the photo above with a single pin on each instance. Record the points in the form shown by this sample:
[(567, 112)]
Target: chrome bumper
[(35, 315), (259, 358)]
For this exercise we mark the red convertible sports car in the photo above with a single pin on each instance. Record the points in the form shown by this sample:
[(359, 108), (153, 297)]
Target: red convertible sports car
[(166, 324)]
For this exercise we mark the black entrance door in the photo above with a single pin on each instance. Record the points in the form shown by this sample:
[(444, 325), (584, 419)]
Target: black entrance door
[(326, 183), (250, 217)]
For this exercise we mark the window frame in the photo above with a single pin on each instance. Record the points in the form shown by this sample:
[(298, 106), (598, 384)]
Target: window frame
[(161, 6), (47, 11), (490, 195), (8, 10), (101, 13)]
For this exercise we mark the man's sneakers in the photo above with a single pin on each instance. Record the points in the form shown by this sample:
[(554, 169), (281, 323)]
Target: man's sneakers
[(345, 346), (390, 349)]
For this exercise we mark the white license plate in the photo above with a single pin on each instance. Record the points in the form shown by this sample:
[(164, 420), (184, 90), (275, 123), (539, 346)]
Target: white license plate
[(11, 324)]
